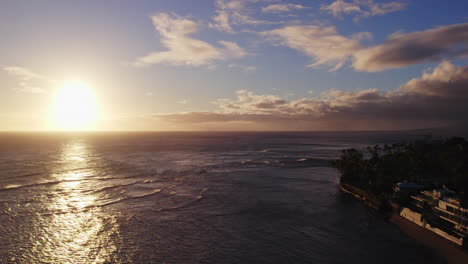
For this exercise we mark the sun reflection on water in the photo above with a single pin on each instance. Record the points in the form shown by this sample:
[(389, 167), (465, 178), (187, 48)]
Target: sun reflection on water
[(76, 231)]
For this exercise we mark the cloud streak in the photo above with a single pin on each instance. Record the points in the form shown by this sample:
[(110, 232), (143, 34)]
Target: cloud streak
[(436, 98), (361, 8), (235, 12), (280, 8), (28, 79)]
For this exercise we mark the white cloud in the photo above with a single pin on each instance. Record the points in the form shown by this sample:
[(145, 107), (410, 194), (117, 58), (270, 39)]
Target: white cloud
[(185, 50), (278, 8), (23, 73), (232, 50), (323, 44), (249, 102), (384, 8), (362, 8), (235, 12), (28, 79), (221, 22), (28, 88), (245, 19), (230, 4), (340, 7), (182, 101)]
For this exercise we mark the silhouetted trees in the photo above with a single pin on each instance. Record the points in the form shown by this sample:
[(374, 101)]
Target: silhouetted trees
[(431, 163)]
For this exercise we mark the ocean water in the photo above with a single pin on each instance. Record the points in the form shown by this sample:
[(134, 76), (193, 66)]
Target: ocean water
[(189, 198)]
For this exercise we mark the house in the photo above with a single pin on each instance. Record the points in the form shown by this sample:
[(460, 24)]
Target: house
[(446, 208), (439, 211)]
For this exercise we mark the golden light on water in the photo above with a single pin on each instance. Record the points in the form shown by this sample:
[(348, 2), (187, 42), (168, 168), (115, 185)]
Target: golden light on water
[(75, 107), (78, 231)]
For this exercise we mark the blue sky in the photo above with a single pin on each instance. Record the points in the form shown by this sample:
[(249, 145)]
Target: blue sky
[(230, 76)]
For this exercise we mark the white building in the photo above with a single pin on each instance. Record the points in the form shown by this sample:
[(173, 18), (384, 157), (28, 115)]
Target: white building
[(446, 206)]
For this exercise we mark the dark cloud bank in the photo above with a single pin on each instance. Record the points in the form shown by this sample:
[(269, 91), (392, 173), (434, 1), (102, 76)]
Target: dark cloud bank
[(437, 98), (400, 50)]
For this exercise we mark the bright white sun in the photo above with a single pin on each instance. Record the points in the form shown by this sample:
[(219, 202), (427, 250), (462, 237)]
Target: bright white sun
[(75, 107)]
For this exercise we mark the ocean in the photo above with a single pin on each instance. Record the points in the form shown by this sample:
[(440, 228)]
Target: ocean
[(190, 197)]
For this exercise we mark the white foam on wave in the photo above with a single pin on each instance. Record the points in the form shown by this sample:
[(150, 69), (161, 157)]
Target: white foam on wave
[(155, 191), (197, 199), (11, 186), (19, 186)]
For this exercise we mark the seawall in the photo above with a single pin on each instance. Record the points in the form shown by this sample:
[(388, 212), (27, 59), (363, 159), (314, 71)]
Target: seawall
[(361, 195)]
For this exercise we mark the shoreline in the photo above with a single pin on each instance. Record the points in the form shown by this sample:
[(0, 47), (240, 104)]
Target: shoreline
[(360, 195), (447, 249)]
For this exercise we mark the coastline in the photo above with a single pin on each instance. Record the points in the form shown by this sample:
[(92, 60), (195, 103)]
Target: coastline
[(360, 195), (447, 249)]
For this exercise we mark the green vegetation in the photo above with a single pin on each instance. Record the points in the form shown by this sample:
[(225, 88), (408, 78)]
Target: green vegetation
[(430, 163)]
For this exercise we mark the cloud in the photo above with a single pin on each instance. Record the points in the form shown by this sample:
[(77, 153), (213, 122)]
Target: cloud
[(437, 98), (232, 50), (278, 8), (182, 49), (28, 79), (384, 8), (401, 50), (340, 7), (235, 12), (361, 8), (182, 101), (250, 102), (221, 22), (244, 68), (445, 81), (322, 44), (325, 46), (23, 73)]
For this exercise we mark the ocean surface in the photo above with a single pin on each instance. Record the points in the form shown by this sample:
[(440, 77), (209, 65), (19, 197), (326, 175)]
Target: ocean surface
[(190, 198)]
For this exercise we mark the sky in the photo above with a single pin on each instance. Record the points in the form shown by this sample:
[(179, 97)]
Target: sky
[(234, 64)]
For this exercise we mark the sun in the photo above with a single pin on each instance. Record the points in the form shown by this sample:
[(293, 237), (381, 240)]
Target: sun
[(75, 107)]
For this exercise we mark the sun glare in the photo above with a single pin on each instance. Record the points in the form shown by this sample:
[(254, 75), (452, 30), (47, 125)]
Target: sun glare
[(75, 107)]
